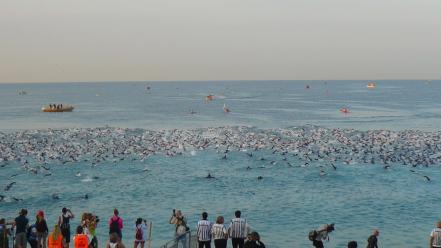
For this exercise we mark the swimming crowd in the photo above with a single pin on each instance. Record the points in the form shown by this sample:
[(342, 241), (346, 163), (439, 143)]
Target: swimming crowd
[(239, 231), (306, 144)]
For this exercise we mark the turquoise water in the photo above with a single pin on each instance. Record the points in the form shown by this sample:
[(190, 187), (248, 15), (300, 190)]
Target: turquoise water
[(283, 207)]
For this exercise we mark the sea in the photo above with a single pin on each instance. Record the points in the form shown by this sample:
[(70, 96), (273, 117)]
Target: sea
[(283, 207)]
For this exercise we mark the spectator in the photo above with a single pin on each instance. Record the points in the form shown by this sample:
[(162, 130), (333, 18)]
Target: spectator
[(80, 239), (372, 240), (55, 239), (42, 229), (254, 242), (140, 230), (322, 234), (238, 230), (64, 224), (352, 244), (204, 231), (114, 241), (116, 224), (181, 228), (22, 224), (4, 234), (219, 233), (435, 236)]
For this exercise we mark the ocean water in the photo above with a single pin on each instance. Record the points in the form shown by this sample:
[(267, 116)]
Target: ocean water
[(282, 207)]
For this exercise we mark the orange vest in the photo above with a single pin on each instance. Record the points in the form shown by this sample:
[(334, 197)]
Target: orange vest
[(81, 241), (58, 243)]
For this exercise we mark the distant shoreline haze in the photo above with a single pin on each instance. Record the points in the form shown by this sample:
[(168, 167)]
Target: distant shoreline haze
[(194, 40)]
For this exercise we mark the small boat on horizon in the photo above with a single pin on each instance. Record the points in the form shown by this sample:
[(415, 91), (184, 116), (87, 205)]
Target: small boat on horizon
[(371, 85), (57, 108), (210, 97), (345, 110)]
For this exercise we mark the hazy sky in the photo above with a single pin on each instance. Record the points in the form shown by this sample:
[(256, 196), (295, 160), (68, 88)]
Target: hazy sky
[(99, 40)]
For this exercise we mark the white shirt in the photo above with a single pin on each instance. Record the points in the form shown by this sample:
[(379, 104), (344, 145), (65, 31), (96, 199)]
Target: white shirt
[(436, 235), (218, 231), (204, 230), (143, 230)]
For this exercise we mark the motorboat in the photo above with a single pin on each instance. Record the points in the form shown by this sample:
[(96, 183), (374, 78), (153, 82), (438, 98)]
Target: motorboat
[(371, 85), (57, 108), (209, 98)]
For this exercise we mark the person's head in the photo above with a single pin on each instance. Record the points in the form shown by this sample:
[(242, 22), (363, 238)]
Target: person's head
[(115, 212), (23, 212), (376, 232), (220, 220), (113, 238), (79, 229), (330, 227), (2, 221), (204, 215), (438, 224), (352, 244), (40, 215), (64, 210), (237, 214), (255, 236), (178, 213), (249, 237), (138, 221)]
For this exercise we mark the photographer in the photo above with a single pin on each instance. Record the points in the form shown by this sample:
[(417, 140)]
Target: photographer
[(180, 227), (63, 223), (140, 230), (322, 234)]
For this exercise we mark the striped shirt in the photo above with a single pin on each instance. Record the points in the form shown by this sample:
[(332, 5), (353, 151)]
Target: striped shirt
[(204, 230), (436, 235), (218, 231), (238, 228)]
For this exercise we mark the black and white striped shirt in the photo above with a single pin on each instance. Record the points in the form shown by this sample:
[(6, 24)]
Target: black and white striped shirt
[(238, 228), (204, 230), (219, 231), (436, 235)]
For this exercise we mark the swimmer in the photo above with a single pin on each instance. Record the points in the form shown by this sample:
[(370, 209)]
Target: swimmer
[(209, 176), (9, 186), (226, 109)]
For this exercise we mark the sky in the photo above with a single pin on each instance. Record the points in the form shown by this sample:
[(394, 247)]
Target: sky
[(150, 40)]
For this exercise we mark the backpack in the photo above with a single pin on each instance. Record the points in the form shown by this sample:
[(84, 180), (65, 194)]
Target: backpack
[(138, 235), (312, 235), (114, 226)]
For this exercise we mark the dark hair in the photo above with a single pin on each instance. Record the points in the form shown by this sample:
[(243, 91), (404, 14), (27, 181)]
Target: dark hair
[(23, 211), (79, 229), (64, 210), (352, 244), (330, 228), (2, 221), (138, 221), (237, 213), (255, 236), (204, 215), (115, 211)]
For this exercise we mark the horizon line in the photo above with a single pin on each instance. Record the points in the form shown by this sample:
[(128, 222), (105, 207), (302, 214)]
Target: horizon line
[(212, 80)]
